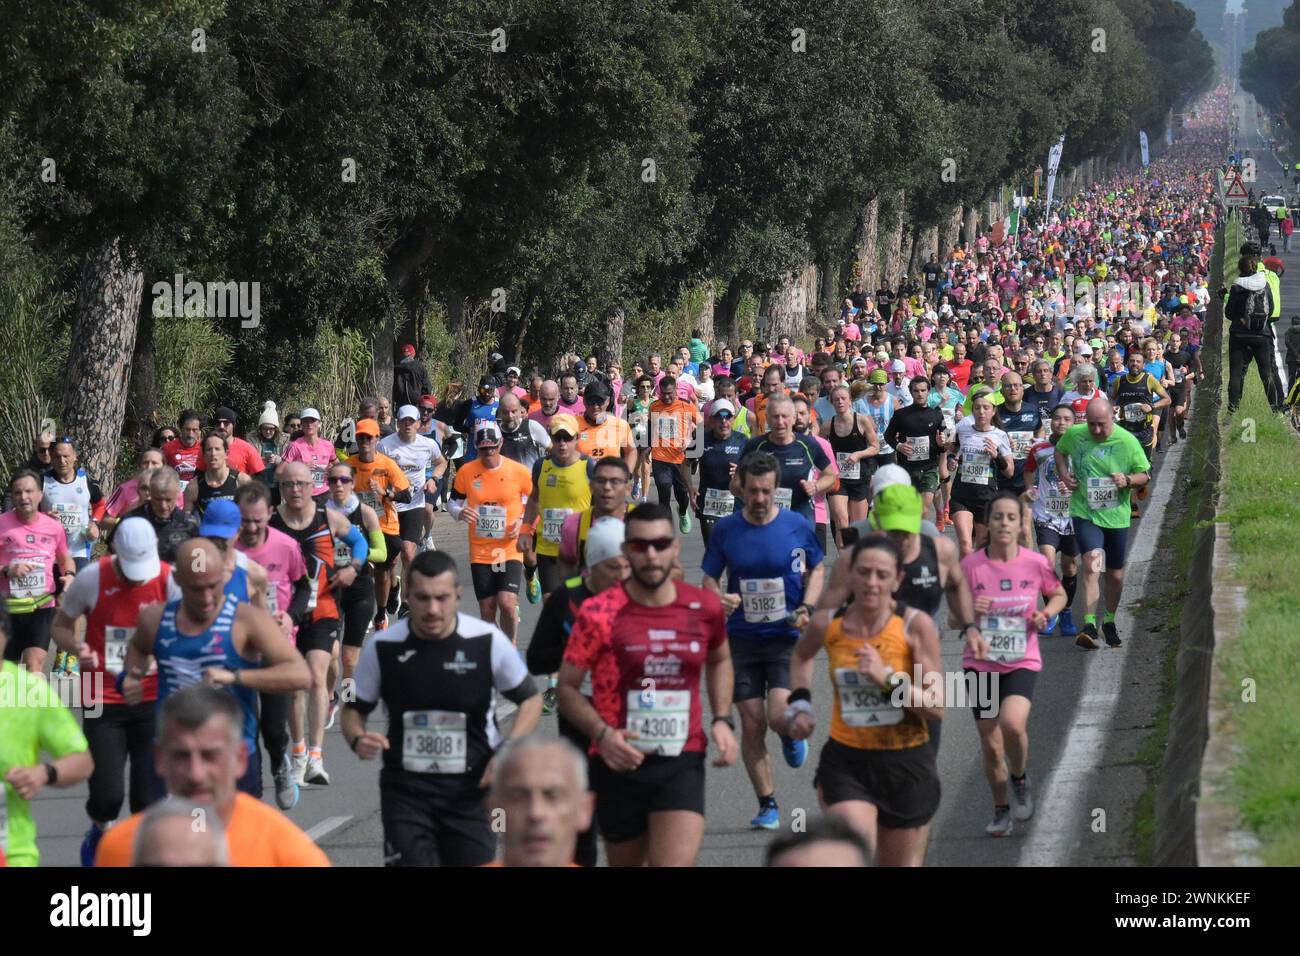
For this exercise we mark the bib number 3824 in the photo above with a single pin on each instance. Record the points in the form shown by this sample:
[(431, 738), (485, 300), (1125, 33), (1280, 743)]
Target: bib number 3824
[(660, 719), (433, 741)]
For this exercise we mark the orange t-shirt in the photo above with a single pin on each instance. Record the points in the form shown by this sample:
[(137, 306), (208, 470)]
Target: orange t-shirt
[(610, 437), (257, 835), (386, 473), (499, 495), (671, 429)]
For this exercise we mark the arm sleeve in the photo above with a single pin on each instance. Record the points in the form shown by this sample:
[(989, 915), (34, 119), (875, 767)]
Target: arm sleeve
[(357, 542), (546, 650), (297, 609), (378, 547)]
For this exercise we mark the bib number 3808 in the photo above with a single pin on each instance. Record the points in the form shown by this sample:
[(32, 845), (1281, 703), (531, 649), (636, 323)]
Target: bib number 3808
[(433, 741)]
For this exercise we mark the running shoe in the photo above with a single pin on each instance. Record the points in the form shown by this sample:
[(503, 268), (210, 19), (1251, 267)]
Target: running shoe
[(550, 698), (1051, 625), (534, 589), (1182, 431), (794, 751), (298, 766), (315, 773), (1001, 825), (769, 818), (403, 611), (1111, 635), (1068, 627), (427, 544), (89, 844), (685, 523), (287, 791), (394, 596), (59, 660), (1088, 637), (72, 666), (381, 622), (332, 714), (942, 522), (1022, 799)]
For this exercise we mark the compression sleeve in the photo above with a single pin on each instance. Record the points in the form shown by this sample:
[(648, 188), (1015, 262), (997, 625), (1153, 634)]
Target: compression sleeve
[(297, 610), (357, 542), (378, 547)]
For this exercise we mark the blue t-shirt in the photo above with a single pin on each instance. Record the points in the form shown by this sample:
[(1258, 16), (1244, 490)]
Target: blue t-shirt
[(478, 411), (765, 565), (797, 460)]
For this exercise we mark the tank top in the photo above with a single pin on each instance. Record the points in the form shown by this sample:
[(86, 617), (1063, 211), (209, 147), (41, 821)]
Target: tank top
[(237, 586), (1129, 395), (865, 717), (921, 588), (882, 417), (111, 624), (520, 445), (560, 492), (182, 658), (317, 543), (584, 528), (222, 492), (844, 445), (70, 504), (343, 553)]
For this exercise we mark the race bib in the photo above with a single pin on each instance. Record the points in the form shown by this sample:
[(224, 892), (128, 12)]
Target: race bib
[(851, 470), (492, 521), (116, 640), (862, 702), (317, 477), (784, 497), (29, 585), (434, 741), (272, 599), (553, 523), (1134, 413), (661, 719), (1007, 637), (920, 447), (342, 553), (718, 503), (1102, 493), (1057, 503), (763, 599), (72, 517), (371, 499), (183, 485), (976, 470), (666, 428), (1020, 444)]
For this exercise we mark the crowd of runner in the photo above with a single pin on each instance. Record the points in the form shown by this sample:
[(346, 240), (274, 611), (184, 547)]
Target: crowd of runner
[(245, 592)]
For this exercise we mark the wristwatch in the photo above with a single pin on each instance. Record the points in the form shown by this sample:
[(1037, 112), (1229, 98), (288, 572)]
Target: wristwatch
[(726, 719), (51, 774)]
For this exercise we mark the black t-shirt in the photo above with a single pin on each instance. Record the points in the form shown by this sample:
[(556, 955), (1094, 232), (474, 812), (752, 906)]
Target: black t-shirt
[(931, 272), (715, 466), (913, 422), (977, 353), (884, 303), (1180, 362), (1046, 401), (1024, 423)]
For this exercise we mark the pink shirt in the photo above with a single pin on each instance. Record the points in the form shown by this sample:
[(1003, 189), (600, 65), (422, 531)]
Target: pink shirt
[(852, 333), (282, 558), (318, 458), (1014, 587), (576, 409), (48, 543), (543, 419), (126, 497), (819, 502)]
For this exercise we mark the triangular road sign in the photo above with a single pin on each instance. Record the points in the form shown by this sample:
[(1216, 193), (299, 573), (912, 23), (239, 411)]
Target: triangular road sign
[(1234, 192)]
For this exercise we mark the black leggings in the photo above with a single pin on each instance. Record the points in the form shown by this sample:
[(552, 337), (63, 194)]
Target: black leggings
[(669, 481), (1242, 350), (275, 726), (121, 732)]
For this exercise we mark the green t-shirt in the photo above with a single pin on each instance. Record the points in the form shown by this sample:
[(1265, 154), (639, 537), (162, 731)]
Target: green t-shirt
[(1093, 463), (699, 351), (32, 722)]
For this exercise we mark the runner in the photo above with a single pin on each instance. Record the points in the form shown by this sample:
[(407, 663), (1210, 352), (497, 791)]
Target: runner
[(607, 566), (182, 453), (490, 495), (804, 427), (171, 524), (422, 461), (916, 433), (602, 433), (1006, 581), (1101, 465), (312, 450), (34, 722), (524, 440), (878, 770), (357, 600), (1023, 423), (74, 498), (1138, 395), (609, 484), (380, 482), (546, 807), (217, 480), (774, 579), (34, 566), (644, 718), (206, 636), (1183, 366), (438, 674), (561, 485), (638, 419), (109, 593), (1053, 528), (672, 429), (797, 456), (130, 494), (269, 443), (242, 456), (880, 406), (201, 756), (718, 463), (982, 449), (483, 408)]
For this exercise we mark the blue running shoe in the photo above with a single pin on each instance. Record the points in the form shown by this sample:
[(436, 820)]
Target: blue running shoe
[(1068, 627), (90, 844), (1051, 624), (769, 818), (794, 751)]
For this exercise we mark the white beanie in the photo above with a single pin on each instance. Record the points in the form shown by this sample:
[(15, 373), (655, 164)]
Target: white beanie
[(269, 415), (604, 540)]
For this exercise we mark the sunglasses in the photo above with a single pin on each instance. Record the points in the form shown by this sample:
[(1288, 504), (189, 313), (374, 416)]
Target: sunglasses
[(643, 545), (562, 437), (46, 448), (224, 421), (340, 479), (426, 413)]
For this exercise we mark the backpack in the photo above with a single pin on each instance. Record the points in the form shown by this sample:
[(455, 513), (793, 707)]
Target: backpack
[(1255, 318)]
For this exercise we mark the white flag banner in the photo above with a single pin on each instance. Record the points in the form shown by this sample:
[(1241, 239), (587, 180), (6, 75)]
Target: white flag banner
[(1053, 164), (1146, 151), (1169, 135)]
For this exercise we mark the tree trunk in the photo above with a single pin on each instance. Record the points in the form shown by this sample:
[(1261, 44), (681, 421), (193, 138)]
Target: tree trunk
[(891, 259), (948, 233), (611, 348), (829, 296), (866, 262), (383, 342), (462, 368), (704, 320), (970, 225), (728, 315), (142, 413), (784, 311), (99, 362)]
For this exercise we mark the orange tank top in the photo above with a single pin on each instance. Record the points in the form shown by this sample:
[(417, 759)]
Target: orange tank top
[(865, 717)]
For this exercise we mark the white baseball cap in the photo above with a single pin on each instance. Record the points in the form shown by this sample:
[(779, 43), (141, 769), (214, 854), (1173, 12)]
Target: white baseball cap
[(721, 405), (309, 413), (136, 546), (604, 540), (887, 475), (408, 411), (486, 432)]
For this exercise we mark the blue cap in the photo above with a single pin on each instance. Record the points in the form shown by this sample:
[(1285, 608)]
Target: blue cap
[(221, 520)]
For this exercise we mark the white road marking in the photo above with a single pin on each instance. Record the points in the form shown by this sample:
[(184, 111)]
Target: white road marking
[(325, 827), (1062, 821)]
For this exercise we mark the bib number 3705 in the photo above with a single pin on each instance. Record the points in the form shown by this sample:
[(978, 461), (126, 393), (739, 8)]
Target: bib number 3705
[(433, 741)]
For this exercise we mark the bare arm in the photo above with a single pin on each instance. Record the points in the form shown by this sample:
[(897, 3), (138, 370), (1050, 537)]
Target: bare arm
[(283, 668)]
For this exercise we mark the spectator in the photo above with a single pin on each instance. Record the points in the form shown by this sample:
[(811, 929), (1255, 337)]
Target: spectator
[(410, 379)]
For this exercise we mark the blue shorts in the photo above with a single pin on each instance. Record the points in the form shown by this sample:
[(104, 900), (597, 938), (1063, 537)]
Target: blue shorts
[(1114, 541)]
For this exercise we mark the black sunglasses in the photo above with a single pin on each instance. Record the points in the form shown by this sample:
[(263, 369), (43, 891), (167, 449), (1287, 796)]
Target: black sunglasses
[(340, 479), (642, 545)]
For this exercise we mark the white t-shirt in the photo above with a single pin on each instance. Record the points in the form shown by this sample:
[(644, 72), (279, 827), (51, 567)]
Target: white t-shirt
[(414, 458)]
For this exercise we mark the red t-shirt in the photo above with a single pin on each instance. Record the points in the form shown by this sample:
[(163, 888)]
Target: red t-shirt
[(244, 457), (626, 646), (184, 460)]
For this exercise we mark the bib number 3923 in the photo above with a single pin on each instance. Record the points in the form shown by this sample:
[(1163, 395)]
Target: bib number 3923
[(433, 741), (491, 521), (661, 720)]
